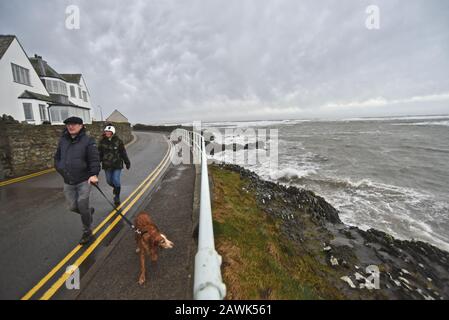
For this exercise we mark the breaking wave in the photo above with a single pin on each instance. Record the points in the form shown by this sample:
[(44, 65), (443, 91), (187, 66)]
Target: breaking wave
[(369, 204), (426, 123)]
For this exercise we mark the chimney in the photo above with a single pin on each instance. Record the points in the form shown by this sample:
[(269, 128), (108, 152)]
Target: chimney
[(40, 65)]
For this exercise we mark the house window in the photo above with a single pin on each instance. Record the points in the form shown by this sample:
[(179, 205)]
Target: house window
[(86, 116), (62, 88), (28, 110), (56, 87), (85, 96), (72, 92), (64, 99), (60, 113), (20, 74), (49, 86), (64, 113), (79, 93), (43, 112), (55, 115)]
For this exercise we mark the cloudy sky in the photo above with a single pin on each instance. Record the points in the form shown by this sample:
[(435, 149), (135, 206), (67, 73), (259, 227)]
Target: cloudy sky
[(177, 61)]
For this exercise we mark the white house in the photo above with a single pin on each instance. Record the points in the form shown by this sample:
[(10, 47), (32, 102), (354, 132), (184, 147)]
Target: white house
[(33, 92)]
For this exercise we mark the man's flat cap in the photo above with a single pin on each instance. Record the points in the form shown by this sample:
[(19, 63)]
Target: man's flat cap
[(74, 120)]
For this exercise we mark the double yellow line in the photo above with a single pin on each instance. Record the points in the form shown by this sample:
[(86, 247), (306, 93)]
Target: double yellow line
[(36, 174), (144, 185)]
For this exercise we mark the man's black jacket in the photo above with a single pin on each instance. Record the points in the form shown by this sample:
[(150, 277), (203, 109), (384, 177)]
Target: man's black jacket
[(77, 159)]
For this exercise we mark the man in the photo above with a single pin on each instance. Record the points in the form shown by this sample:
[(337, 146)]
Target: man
[(112, 155), (78, 162)]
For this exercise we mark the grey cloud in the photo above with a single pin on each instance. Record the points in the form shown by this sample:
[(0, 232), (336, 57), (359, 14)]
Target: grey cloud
[(228, 60)]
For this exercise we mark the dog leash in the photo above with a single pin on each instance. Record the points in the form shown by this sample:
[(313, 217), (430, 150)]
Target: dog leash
[(119, 211)]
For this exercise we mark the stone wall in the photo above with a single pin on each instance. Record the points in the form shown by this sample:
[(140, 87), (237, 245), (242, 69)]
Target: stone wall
[(5, 161), (26, 149)]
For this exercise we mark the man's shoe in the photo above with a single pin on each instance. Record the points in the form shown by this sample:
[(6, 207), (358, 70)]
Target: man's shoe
[(87, 237)]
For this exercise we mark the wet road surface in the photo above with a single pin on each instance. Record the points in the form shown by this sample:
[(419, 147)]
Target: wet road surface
[(36, 228)]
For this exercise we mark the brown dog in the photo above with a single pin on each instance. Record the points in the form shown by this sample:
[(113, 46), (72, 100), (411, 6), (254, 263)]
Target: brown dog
[(148, 241)]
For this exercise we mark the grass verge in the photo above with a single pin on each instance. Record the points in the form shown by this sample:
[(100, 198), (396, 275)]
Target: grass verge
[(258, 261)]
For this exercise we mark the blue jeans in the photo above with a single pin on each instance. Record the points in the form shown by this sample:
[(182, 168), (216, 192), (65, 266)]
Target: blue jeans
[(113, 177)]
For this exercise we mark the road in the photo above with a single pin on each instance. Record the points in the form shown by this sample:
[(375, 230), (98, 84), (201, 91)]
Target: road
[(171, 278), (37, 230)]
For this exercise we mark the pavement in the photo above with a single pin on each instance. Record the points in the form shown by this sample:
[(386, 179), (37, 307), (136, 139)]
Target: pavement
[(37, 231), (115, 276)]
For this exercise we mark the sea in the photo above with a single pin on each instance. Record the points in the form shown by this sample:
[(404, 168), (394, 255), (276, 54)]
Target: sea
[(388, 173)]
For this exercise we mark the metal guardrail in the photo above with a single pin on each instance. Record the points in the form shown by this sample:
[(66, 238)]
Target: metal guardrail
[(208, 283)]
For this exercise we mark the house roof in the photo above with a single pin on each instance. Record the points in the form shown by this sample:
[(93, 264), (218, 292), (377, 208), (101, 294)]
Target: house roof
[(5, 42), (51, 99), (116, 115), (33, 95), (72, 77), (43, 69)]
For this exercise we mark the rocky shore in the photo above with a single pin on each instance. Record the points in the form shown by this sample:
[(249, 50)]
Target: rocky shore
[(358, 264)]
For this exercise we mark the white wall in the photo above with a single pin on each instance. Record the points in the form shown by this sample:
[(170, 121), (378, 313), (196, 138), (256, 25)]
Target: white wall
[(10, 90), (77, 100)]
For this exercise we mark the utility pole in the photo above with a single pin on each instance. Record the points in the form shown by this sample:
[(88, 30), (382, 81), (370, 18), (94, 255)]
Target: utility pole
[(101, 112)]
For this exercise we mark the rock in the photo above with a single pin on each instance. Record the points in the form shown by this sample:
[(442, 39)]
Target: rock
[(334, 261), (426, 297), (405, 271)]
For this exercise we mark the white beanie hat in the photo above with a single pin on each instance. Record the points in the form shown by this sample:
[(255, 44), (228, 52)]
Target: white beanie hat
[(110, 128)]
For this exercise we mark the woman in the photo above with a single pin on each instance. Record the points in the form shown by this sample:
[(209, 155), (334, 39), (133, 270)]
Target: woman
[(112, 155)]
